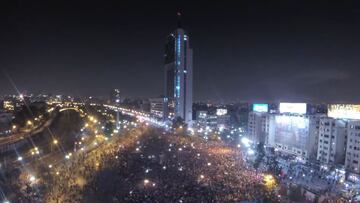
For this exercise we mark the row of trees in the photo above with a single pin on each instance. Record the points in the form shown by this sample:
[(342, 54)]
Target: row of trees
[(29, 112), (270, 161)]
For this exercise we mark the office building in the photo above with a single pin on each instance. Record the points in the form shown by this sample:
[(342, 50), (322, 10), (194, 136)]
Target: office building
[(288, 129), (157, 107), (352, 159), (178, 75), (294, 134), (332, 141), (258, 126)]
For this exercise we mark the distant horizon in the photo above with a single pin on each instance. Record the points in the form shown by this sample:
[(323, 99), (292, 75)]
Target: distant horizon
[(249, 51), (200, 101)]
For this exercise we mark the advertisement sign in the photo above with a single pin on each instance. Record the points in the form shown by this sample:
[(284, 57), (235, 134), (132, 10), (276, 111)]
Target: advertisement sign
[(297, 108), (344, 111), (260, 107)]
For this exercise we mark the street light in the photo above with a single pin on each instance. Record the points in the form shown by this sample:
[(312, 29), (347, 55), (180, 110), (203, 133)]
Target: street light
[(146, 181), (29, 122), (55, 141), (250, 152), (32, 178), (269, 181)]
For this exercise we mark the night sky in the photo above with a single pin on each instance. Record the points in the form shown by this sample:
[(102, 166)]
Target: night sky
[(255, 50)]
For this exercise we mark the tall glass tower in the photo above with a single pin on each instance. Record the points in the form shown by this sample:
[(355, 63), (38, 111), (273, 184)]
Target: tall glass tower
[(178, 75)]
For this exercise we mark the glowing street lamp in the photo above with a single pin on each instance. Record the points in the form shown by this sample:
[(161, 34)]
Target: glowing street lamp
[(146, 181), (250, 152), (269, 181), (68, 156), (32, 178)]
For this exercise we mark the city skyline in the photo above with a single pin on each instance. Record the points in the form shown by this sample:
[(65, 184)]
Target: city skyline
[(310, 52), (179, 101)]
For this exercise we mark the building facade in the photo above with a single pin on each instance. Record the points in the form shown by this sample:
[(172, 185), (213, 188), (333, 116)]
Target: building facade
[(178, 76), (352, 159), (258, 126), (332, 141), (157, 107), (287, 127), (294, 134)]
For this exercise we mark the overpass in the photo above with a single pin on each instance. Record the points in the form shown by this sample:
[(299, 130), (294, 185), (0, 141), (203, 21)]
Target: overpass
[(18, 139), (69, 108)]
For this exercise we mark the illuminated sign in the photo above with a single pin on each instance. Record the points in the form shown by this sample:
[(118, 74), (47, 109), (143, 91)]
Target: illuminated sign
[(345, 111), (298, 108), (260, 107), (221, 112)]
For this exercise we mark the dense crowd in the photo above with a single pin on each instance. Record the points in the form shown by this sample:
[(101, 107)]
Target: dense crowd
[(68, 179), (152, 166)]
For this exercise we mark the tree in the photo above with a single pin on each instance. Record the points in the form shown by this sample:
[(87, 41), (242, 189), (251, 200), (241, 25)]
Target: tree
[(273, 166), (109, 128), (30, 112), (260, 153), (179, 124)]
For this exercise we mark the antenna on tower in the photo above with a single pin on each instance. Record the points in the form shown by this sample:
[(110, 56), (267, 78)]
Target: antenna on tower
[(178, 19)]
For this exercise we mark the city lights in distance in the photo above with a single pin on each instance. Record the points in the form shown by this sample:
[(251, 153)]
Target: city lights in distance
[(202, 114), (221, 112)]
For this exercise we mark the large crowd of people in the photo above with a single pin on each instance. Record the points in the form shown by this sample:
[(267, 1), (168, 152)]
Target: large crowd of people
[(153, 166)]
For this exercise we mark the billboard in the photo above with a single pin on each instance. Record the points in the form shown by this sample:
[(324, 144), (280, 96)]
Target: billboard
[(292, 131), (260, 107), (298, 108), (344, 111), (221, 112)]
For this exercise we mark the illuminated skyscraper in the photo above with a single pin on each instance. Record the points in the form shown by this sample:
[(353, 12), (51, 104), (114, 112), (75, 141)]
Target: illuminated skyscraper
[(178, 75)]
